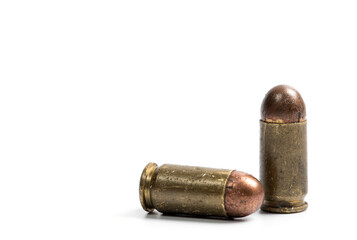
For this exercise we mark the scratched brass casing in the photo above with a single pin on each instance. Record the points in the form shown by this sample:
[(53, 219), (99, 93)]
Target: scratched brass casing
[(175, 189), (283, 166)]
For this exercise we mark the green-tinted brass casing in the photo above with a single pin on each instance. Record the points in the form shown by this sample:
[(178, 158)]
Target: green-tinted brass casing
[(283, 166), (175, 189)]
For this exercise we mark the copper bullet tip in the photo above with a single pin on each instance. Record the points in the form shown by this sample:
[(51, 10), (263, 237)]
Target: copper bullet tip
[(283, 104), (244, 194)]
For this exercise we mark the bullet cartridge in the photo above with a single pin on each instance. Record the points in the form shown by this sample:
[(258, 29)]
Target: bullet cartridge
[(175, 189), (283, 151)]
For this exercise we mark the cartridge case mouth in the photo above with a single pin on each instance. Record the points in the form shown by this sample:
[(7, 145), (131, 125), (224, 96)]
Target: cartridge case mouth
[(284, 206), (147, 178)]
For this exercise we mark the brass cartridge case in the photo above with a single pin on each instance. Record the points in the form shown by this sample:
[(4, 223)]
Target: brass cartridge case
[(283, 151), (175, 189), (283, 170)]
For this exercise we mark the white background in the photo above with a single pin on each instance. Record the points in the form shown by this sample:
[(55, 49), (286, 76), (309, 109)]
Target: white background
[(91, 91)]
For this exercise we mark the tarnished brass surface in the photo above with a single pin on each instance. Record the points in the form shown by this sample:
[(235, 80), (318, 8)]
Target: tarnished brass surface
[(283, 166), (175, 189)]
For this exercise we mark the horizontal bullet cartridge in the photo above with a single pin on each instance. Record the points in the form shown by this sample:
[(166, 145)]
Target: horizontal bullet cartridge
[(175, 189)]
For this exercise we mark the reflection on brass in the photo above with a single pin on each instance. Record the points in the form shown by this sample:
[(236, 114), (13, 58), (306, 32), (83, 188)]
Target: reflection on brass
[(283, 151), (175, 189)]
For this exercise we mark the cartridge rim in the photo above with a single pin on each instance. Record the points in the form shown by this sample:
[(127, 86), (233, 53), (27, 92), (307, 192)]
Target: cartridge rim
[(275, 207), (145, 186)]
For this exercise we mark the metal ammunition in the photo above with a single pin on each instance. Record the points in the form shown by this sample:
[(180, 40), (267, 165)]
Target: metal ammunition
[(283, 151), (174, 189)]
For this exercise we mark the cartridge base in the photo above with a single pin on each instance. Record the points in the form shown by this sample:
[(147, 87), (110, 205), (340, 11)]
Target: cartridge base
[(284, 207), (146, 180)]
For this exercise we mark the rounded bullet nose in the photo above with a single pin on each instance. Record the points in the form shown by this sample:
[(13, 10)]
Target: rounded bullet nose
[(244, 194), (283, 104)]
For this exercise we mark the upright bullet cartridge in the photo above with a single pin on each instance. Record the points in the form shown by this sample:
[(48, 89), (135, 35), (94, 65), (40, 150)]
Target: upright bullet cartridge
[(175, 189), (283, 151)]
